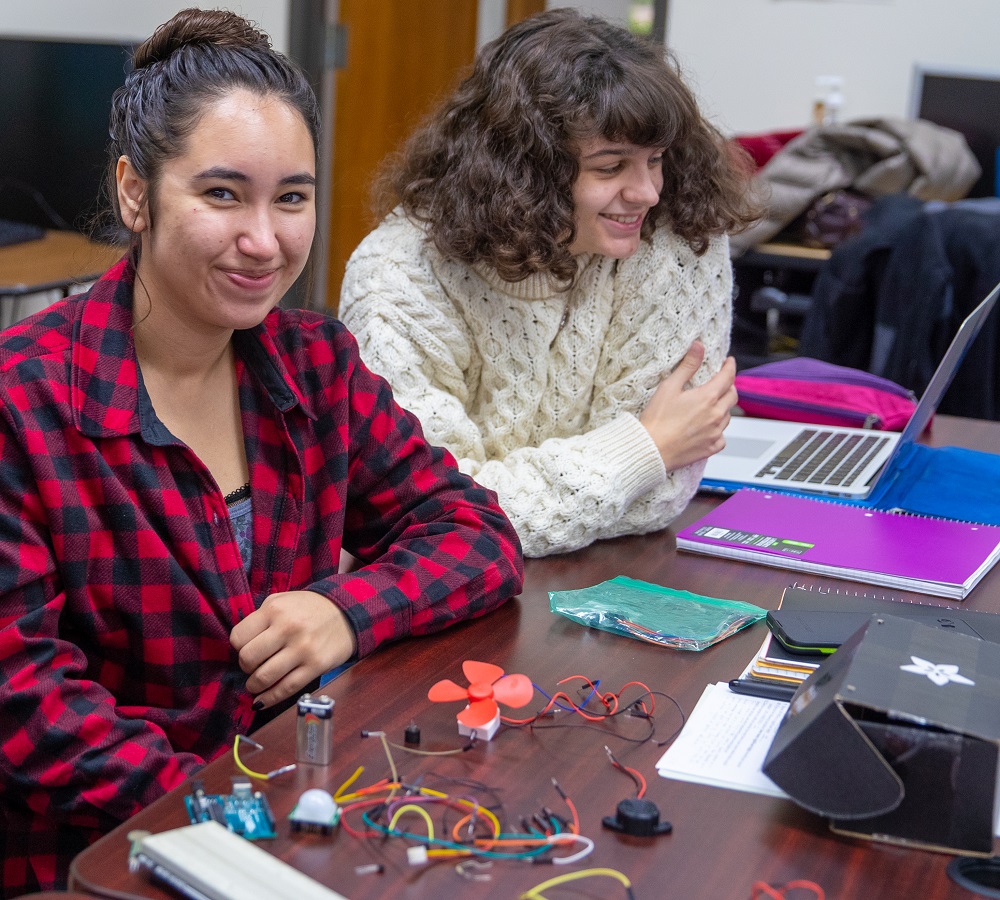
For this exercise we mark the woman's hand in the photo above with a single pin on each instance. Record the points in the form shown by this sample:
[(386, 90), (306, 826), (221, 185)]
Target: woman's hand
[(292, 639), (686, 423)]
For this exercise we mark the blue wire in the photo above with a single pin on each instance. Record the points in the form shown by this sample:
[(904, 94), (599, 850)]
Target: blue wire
[(593, 690)]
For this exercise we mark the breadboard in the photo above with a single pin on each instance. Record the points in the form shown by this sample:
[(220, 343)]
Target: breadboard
[(206, 861)]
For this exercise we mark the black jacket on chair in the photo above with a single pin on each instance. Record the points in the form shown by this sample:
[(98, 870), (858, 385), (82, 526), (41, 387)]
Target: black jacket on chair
[(890, 300)]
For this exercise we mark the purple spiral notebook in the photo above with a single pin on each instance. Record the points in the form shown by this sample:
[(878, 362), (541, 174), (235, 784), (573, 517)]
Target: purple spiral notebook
[(930, 556)]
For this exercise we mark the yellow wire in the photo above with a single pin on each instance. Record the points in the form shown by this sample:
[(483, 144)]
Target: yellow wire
[(426, 792), (367, 792), (348, 783), (392, 762), (475, 807), (236, 758), (533, 893), (420, 811)]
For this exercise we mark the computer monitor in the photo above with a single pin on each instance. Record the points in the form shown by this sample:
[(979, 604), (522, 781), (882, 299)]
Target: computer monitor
[(55, 99), (967, 101)]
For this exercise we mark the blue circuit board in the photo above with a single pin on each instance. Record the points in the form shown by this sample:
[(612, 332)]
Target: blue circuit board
[(245, 812)]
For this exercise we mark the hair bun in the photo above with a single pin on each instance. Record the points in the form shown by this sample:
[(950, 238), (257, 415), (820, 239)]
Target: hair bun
[(194, 27)]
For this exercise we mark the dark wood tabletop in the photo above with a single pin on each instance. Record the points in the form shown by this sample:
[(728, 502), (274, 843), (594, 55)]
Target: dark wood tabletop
[(722, 841)]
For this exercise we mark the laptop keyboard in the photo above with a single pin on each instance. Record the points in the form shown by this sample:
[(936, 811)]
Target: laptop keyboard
[(822, 457)]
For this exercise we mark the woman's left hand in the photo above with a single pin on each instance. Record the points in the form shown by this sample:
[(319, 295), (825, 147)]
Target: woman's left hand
[(292, 639)]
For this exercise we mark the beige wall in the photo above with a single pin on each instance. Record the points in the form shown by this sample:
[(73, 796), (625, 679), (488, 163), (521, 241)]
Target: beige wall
[(125, 20), (754, 62)]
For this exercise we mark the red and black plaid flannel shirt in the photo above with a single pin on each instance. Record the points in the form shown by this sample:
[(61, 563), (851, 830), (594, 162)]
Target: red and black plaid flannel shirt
[(121, 578)]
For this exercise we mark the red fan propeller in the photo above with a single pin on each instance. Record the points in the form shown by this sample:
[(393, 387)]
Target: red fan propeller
[(487, 687)]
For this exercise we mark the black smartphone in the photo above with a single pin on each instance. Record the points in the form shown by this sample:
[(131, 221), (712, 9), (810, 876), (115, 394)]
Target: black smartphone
[(814, 631), (822, 632)]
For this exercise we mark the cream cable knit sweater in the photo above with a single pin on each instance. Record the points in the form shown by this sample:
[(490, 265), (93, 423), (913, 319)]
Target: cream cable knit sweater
[(537, 392)]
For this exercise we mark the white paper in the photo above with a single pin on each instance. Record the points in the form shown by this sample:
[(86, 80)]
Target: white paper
[(724, 742)]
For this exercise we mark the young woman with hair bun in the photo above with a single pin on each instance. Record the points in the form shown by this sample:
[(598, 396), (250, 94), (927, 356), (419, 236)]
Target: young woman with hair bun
[(549, 290), (182, 463)]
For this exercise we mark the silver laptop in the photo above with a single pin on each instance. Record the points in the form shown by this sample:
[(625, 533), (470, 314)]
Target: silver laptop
[(843, 462)]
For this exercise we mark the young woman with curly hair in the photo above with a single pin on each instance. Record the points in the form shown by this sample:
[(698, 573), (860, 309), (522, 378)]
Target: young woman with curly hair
[(549, 290)]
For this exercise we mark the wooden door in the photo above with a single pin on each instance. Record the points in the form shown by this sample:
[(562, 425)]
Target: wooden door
[(521, 9), (401, 57)]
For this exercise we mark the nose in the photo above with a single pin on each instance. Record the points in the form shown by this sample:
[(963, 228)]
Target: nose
[(258, 237), (643, 188)]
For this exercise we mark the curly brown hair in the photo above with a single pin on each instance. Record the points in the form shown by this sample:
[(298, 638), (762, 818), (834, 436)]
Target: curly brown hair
[(491, 171)]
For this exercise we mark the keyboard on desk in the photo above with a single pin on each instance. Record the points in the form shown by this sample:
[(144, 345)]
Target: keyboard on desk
[(830, 458)]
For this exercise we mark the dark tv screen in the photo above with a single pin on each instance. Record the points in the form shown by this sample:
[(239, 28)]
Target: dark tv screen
[(55, 99), (968, 102)]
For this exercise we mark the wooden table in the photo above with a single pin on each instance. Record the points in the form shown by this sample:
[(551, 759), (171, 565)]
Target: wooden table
[(722, 840), (54, 262)]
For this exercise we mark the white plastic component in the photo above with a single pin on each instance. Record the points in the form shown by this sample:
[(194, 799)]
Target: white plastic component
[(416, 855), (481, 732), (316, 808), (220, 865)]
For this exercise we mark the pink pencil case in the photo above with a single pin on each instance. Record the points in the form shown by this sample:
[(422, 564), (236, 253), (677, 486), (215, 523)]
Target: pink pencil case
[(802, 389)]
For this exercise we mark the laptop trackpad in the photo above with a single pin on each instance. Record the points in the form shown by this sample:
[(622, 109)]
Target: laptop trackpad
[(746, 447)]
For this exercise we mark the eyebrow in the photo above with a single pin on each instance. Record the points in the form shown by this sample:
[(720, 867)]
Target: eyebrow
[(606, 152), (614, 152), (221, 173)]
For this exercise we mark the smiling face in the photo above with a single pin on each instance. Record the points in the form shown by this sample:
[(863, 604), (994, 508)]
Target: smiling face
[(232, 218), (617, 186)]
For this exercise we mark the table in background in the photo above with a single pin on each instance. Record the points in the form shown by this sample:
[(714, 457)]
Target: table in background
[(773, 284), (722, 841), (56, 261)]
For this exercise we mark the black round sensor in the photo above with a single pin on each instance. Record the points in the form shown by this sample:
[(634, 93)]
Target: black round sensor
[(638, 818)]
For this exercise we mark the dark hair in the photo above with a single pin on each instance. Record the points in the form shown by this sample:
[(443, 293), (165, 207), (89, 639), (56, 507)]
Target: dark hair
[(189, 61), (491, 172)]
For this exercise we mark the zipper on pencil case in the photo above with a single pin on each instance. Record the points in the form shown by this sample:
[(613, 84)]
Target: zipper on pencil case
[(853, 419), (858, 379)]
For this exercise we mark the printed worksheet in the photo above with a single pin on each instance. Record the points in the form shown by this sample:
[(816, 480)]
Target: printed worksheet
[(724, 742)]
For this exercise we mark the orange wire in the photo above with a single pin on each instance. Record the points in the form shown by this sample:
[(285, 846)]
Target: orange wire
[(377, 786), (575, 827), (457, 827)]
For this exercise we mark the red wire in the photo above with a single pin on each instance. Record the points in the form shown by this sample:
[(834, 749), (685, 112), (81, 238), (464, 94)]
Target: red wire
[(608, 704), (638, 775), (609, 700), (761, 888), (634, 774), (652, 702), (358, 804)]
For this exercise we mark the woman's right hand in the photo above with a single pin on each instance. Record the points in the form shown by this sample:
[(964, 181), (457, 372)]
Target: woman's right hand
[(686, 423)]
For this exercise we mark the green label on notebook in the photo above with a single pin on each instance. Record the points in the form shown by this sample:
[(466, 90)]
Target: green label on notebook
[(750, 539)]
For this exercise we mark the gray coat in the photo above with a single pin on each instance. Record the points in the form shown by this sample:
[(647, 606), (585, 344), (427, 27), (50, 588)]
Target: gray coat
[(873, 156)]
